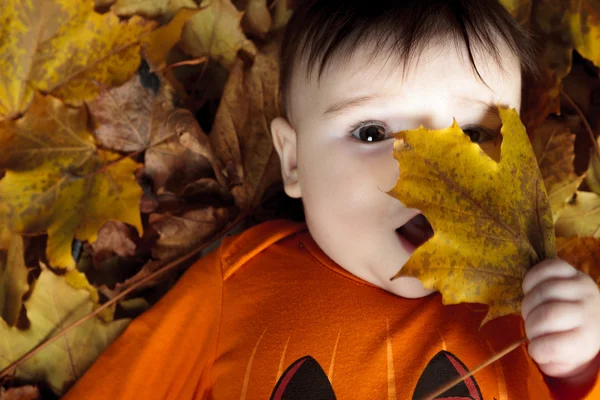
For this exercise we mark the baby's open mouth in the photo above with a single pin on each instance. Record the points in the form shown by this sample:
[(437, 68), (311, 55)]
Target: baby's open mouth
[(417, 230)]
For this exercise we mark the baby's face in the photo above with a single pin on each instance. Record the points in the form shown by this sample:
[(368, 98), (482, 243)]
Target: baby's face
[(343, 177)]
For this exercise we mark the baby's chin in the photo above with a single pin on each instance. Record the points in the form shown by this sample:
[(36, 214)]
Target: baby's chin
[(409, 287)]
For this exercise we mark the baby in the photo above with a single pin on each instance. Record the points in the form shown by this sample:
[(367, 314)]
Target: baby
[(289, 310)]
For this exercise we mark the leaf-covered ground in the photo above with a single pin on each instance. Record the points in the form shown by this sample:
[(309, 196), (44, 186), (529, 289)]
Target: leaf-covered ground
[(134, 133)]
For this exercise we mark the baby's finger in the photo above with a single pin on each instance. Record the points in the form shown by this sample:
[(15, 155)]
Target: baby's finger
[(555, 316), (564, 289), (558, 353), (545, 270)]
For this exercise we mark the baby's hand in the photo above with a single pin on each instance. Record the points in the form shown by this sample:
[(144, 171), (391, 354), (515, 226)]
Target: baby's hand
[(561, 310)]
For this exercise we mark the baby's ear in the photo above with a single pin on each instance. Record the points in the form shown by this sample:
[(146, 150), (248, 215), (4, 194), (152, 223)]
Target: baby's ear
[(284, 140)]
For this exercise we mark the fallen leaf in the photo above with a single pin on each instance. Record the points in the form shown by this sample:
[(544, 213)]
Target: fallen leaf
[(134, 118), (161, 41), (257, 19), (553, 145), (592, 177), (241, 136), (146, 8), (581, 216), (559, 27), (101, 4), (519, 9), (181, 233), (58, 182), (78, 280), (27, 392), (492, 221), (215, 32), (281, 15), (584, 21), (114, 238), (66, 49), (54, 304), (581, 252), (13, 280)]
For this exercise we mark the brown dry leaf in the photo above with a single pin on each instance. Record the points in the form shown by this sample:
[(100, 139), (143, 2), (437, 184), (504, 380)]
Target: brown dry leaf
[(162, 40), (581, 252), (181, 233), (178, 234), (66, 49), (492, 220), (114, 238), (559, 27), (13, 280), (54, 303), (592, 177), (134, 118), (27, 392), (553, 145), (215, 32), (241, 135), (58, 182), (580, 217)]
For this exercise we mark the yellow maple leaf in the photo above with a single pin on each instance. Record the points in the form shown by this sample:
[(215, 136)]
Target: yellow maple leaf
[(161, 41), (491, 220), (54, 304), (64, 48), (581, 216), (215, 31), (58, 182)]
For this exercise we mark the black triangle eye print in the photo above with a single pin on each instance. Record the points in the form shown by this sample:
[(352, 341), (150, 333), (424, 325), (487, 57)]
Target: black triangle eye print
[(305, 379), (443, 368)]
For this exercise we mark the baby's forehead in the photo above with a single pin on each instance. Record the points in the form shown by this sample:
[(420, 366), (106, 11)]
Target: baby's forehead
[(440, 65)]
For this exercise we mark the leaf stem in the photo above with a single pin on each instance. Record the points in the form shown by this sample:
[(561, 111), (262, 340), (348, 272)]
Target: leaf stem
[(588, 128), (458, 380), (166, 268)]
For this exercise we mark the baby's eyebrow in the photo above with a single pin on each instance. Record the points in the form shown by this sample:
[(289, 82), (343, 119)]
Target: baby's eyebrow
[(341, 105), (345, 104)]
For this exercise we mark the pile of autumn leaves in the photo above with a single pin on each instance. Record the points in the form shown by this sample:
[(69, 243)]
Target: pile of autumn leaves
[(93, 150), (93, 153)]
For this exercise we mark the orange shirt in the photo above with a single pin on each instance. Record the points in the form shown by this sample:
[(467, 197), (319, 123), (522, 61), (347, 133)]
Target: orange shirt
[(269, 315)]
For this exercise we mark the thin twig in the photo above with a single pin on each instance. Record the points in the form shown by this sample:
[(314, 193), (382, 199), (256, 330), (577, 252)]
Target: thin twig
[(195, 61), (588, 128), (477, 369), (166, 268)]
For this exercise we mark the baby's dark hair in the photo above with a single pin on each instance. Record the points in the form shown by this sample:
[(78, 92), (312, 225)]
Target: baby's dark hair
[(321, 30)]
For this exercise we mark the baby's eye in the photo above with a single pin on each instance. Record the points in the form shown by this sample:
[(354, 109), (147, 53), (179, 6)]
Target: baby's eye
[(369, 132), (480, 134)]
